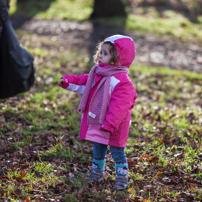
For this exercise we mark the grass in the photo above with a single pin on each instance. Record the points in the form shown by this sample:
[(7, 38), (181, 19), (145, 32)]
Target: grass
[(57, 9)]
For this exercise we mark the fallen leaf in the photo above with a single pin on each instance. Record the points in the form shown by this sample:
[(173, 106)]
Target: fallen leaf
[(131, 189), (132, 162), (148, 187), (17, 192), (26, 199), (22, 175), (153, 159), (160, 140), (179, 155)]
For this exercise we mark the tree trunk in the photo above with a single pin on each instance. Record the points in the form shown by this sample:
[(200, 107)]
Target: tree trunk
[(108, 8)]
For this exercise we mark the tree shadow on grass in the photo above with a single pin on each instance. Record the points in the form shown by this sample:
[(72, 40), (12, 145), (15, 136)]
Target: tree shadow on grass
[(113, 15), (100, 32), (26, 10), (191, 11)]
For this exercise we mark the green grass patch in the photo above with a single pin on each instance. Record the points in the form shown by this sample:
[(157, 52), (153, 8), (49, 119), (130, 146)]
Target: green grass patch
[(53, 9)]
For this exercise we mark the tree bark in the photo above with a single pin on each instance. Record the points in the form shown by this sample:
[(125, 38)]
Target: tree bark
[(108, 8)]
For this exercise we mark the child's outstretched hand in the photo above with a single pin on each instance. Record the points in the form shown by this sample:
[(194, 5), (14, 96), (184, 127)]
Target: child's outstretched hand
[(61, 82)]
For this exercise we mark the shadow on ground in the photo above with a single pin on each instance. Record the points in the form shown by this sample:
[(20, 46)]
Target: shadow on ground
[(31, 7)]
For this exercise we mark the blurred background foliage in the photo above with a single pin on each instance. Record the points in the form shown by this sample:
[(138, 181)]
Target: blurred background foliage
[(189, 8), (178, 19)]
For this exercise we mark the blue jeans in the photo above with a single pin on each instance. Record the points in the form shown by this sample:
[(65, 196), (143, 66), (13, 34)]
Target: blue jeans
[(118, 153)]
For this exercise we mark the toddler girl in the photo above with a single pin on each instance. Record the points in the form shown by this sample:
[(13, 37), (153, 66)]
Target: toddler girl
[(106, 105)]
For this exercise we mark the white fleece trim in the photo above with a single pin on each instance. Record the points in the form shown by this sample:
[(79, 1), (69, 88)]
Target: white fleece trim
[(76, 88), (115, 37), (114, 81), (80, 88)]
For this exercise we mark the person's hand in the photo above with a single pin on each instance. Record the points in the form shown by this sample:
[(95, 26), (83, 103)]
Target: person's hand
[(61, 82)]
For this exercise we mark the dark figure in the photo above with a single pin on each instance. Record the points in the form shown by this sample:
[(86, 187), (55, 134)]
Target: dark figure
[(7, 2)]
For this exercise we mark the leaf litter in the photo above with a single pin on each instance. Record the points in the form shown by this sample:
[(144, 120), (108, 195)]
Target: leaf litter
[(42, 158)]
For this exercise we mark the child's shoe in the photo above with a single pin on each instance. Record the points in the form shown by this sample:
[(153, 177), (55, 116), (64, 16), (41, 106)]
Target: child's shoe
[(121, 183), (96, 176)]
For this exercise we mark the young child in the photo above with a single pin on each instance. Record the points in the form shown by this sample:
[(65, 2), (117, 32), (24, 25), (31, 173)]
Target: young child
[(106, 105)]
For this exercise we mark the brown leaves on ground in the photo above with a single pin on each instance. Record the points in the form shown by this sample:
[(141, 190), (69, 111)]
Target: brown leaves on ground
[(149, 179)]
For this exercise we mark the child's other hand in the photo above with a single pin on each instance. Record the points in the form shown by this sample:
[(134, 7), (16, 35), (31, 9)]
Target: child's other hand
[(61, 82)]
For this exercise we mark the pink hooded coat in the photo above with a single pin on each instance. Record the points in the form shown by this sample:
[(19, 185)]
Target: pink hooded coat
[(122, 96)]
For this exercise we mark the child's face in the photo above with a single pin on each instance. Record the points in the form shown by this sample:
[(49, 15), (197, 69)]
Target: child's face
[(105, 56)]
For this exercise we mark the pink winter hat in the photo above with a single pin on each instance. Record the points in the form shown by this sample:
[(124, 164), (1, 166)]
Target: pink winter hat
[(125, 47)]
